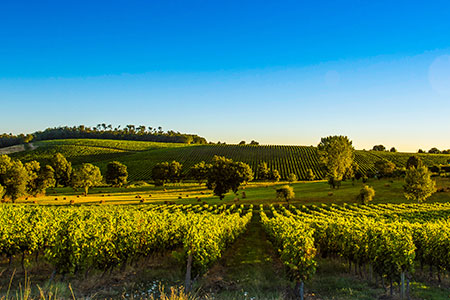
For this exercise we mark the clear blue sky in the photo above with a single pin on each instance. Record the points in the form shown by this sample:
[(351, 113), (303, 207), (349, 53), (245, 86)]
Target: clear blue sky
[(284, 72)]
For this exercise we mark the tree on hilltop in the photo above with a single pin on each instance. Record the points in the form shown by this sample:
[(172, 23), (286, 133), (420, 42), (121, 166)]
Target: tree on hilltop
[(116, 174)]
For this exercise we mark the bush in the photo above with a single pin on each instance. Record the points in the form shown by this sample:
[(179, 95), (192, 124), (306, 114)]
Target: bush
[(285, 192), (366, 194)]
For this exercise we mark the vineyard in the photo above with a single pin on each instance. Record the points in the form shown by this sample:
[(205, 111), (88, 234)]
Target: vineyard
[(140, 157), (383, 242)]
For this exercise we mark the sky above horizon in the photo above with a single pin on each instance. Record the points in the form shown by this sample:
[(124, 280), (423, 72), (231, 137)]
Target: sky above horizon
[(279, 72)]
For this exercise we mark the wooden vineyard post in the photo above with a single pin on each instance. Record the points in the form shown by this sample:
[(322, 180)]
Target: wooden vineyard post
[(402, 286), (187, 282)]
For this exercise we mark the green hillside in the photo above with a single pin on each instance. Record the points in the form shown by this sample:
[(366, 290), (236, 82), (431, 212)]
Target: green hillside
[(140, 157)]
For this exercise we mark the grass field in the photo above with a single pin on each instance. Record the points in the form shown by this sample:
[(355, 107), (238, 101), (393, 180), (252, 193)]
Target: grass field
[(316, 192), (140, 157)]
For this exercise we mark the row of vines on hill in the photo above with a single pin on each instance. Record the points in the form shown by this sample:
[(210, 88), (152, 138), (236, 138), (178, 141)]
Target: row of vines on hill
[(140, 157)]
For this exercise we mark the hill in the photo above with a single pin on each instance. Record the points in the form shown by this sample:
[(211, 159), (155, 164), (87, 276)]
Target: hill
[(140, 157)]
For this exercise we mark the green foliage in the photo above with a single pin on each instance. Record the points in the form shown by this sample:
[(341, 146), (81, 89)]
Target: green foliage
[(418, 183), (62, 168), (285, 193), (200, 171), (413, 161), (86, 176), (310, 175), (263, 171), (379, 148), (39, 179), (274, 175), (337, 154), (384, 167), (13, 177), (366, 194), (167, 172), (393, 149), (292, 178), (116, 174), (434, 150), (226, 175)]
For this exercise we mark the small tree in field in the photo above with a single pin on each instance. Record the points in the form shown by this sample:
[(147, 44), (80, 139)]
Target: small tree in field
[(275, 175), (160, 173), (384, 167), (200, 171), (413, 161), (310, 175), (116, 174), (286, 193), (418, 184), (225, 175), (87, 176), (292, 178), (263, 171), (366, 194), (62, 168)]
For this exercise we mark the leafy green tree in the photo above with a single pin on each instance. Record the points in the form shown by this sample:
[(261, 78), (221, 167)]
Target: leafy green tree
[(366, 194), (379, 148), (393, 149), (175, 171), (285, 192), (292, 178), (337, 154), (226, 175), (39, 179), (160, 173), (385, 167), (242, 143), (263, 171), (274, 175), (413, 161), (254, 143), (434, 150), (310, 175), (13, 178), (86, 176), (116, 174), (62, 168), (200, 171), (418, 184)]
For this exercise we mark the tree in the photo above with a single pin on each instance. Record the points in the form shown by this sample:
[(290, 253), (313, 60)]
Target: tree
[(242, 143), (13, 177), (200, 171), (418, 184), (160, 173), (434, 150), (366, 194), (62, 168), (420, 151), (263, 171), (292, 178), (310, 175), (384, 167), (39, 179), (175, 173), (285, 192), (337, 154), (379, 148), (86, 176), (274, 175), (225, 175), (413, 161), (116, 174), (393, 149), (254, 143)]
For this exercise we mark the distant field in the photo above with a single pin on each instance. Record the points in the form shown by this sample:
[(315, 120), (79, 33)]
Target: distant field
[(140, 157)]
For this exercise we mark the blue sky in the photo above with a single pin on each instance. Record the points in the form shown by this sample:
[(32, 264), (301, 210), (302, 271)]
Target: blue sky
[(284, 72)]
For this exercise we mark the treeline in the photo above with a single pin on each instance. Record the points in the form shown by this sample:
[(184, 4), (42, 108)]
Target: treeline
[(19, 179), (104, 131)]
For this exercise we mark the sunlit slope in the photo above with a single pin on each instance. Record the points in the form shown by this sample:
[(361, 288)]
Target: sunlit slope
[(140, 157)]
